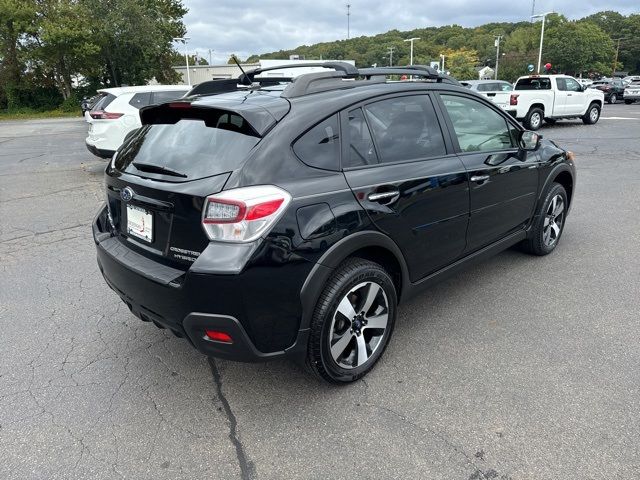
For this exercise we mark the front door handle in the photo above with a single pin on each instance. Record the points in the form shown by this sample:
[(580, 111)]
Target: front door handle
[(480, 178), (384, 197)]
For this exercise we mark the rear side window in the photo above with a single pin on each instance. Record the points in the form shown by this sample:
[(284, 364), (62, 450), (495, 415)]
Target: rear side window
[(103, 102), (320, 146), (188, 149), (533, 84), (161, 97), (488, 87), (405, 128), (140, 100), (361, 148)]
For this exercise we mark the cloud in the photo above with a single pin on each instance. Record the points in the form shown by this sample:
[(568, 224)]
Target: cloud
[(250, 26)]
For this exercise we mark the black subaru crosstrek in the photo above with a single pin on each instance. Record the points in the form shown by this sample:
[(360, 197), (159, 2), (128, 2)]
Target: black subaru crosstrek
[(264, 219)]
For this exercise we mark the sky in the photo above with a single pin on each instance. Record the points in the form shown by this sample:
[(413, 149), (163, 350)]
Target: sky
[(247, 27)]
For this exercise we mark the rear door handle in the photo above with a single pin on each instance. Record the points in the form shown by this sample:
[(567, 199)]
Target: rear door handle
[(479, 178), (384, 197)]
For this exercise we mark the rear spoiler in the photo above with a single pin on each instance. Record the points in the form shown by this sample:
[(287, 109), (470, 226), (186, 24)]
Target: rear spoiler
[(257, 121)]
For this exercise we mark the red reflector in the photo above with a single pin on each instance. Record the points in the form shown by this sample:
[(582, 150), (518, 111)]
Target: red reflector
[(263, 209), (179, 105), (219, 336)]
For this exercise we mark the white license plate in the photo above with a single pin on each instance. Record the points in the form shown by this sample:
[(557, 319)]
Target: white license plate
[(140, 223)]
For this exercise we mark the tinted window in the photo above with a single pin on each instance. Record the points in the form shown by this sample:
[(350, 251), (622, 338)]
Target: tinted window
[(140, 100), (189, 147), (489, 87), (102, 102), (361, 148), (161, 97), (534, 83), (477, 126), (405, 128), (320, 146)]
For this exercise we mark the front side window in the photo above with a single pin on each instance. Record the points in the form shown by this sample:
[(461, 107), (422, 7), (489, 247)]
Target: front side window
[(405, 128), (562, 84), (477, 127), (572, 85), (320, 146)]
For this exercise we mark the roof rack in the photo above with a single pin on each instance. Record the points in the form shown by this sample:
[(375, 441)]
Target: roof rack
[(339, 75)]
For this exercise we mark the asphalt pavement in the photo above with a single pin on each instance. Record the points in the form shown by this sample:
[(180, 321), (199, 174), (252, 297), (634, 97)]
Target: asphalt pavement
[(518, 368)]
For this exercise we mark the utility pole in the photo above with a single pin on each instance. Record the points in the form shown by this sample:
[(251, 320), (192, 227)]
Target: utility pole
[(442, 69), (411, 55), (497, 44), (184, 40), (390, 52), (348, 20), (615, 61), (210, 56), (544, 17), (533, 9)]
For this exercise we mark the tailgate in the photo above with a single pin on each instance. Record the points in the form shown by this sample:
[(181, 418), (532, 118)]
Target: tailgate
[(499, 98)]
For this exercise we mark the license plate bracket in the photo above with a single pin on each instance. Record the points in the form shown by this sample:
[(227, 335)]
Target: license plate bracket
[(140, 223)]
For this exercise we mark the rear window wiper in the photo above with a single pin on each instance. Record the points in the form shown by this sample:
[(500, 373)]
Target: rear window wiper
[(148, 167)]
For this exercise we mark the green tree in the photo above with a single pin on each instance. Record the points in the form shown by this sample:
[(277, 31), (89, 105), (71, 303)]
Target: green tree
[(461, 63)]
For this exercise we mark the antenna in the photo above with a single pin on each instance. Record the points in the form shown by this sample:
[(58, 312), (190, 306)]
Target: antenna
[(245, 79), (348, 20)]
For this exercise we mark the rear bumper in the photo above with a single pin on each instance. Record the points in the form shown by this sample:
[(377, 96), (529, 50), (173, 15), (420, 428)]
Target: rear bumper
[(99, 152), (188, 303)]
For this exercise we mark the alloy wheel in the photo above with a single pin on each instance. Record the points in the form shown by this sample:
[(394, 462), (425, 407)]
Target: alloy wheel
[(594, 114), (535, 120), (553, 220), (359, 325)]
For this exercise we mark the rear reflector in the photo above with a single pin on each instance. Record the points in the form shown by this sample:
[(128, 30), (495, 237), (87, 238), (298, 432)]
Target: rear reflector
[(217, 336)]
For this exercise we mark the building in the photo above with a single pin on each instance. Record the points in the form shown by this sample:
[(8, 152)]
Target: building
[(485, 73), (202, 73)]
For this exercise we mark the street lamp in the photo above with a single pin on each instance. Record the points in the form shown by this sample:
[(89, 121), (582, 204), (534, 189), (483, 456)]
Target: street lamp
[(184, 40), (544, 17), (412, 40)]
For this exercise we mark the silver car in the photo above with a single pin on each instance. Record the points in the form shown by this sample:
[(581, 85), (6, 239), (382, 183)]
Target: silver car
[(632, 92)]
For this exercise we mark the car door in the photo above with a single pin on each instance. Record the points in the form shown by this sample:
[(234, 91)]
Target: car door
[(561, 98), (503, 179), (576, 102), (408, 178)]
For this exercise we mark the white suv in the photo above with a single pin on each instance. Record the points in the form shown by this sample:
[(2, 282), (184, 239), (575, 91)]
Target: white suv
[(116, 113)]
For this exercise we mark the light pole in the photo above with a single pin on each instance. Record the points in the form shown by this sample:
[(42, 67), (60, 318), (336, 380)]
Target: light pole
[(442, 58), (497, 44), (348, 20), (411, 55), (184, 40), (544, 17)]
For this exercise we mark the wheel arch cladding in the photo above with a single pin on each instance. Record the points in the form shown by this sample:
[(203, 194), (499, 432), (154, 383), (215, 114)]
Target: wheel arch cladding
[(565, 179)]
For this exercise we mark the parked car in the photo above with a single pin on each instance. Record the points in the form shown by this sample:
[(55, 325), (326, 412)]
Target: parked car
[(630, 78), (613, 89), (498, 91), (632, 92), (222, 210), (116, 113), (554, 97), (585, 82)]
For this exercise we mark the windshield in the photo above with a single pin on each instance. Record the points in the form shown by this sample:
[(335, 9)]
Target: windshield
[(188, 149)]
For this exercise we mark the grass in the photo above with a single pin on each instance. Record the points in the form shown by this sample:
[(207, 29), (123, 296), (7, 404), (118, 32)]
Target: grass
[(28, 114)]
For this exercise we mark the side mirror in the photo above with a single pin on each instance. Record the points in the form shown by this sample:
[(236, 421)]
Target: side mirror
[(529, 141)]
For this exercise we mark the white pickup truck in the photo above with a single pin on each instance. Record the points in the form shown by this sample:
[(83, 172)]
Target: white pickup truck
[(553, 97)]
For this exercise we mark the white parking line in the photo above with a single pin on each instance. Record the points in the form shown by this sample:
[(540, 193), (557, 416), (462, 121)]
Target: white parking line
[(619, 118)]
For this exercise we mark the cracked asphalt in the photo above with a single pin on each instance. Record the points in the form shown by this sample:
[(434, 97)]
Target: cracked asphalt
[(519, 368)]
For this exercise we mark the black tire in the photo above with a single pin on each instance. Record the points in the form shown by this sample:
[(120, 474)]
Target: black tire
[(628, 102), (343, 286), (533, 120), (590, 118), (537, 243), (613, 98), (550, 121)]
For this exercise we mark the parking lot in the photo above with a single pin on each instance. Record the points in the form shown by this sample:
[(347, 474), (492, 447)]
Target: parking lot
[(519, 368)]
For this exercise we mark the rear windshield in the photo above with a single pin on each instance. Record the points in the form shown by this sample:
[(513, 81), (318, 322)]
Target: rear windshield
[(103, 101), (533, 84), (188, 149)]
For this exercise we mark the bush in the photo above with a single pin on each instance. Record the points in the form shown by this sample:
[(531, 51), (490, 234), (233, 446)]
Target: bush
[(71, 104), (36, 98)]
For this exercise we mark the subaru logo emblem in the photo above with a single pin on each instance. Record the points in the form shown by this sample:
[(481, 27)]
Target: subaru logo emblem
[(126, 194)]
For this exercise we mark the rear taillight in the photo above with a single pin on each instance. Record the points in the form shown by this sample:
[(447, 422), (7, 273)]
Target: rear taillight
[(513, 99), (243, 214), (102, 115)]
